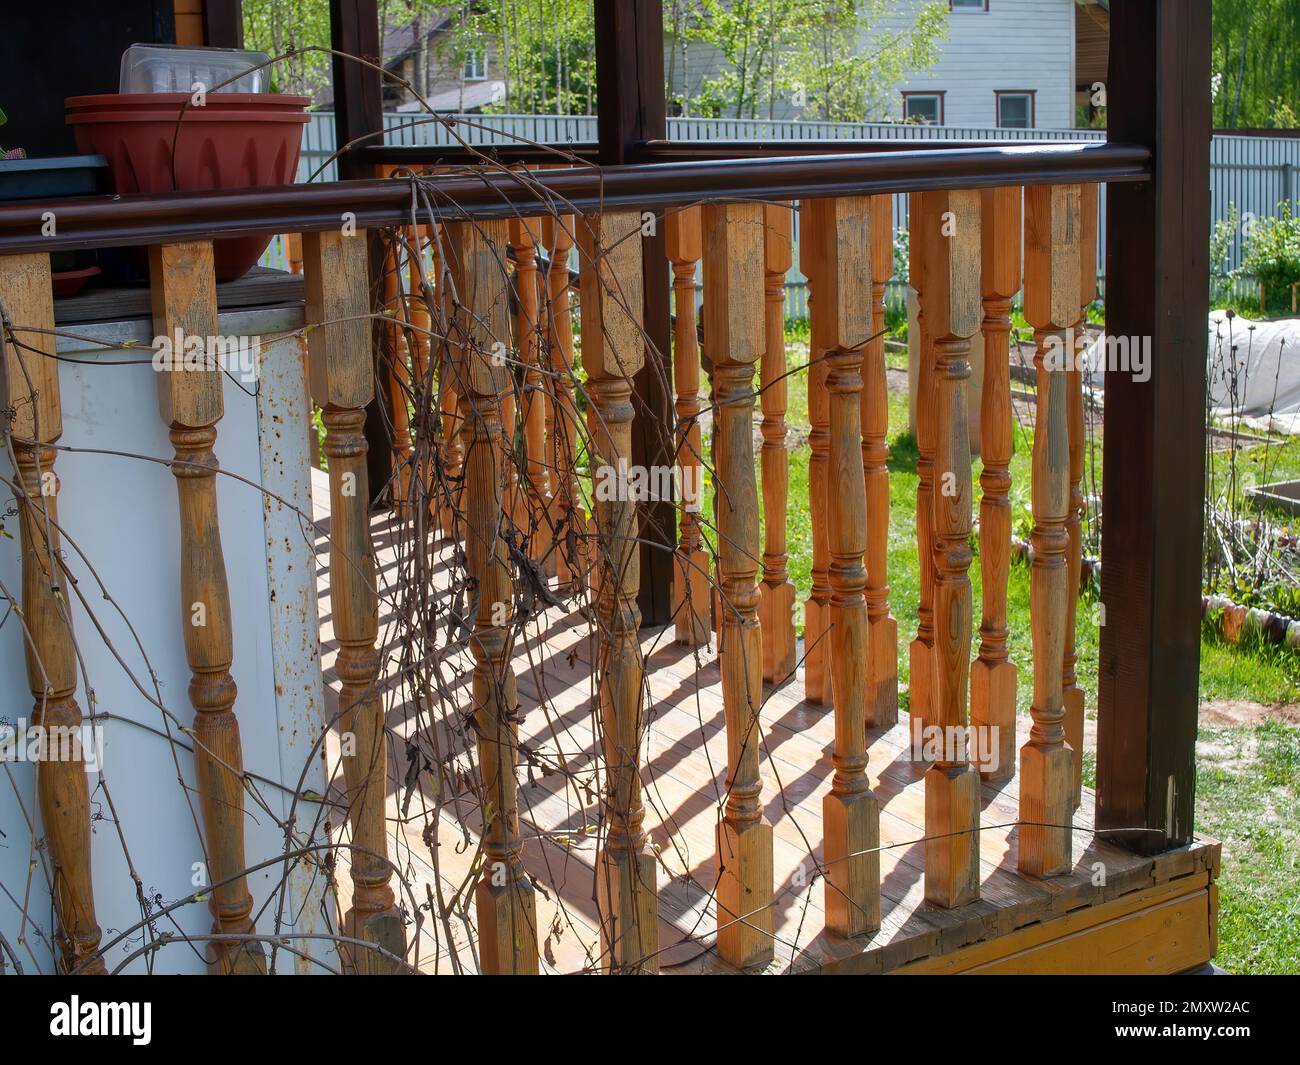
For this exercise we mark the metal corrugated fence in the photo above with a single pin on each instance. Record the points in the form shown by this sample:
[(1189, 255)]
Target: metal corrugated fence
[(1252, 174)]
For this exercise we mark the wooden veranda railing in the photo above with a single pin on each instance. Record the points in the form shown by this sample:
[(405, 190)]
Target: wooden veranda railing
[(973, 210), (966, 266)]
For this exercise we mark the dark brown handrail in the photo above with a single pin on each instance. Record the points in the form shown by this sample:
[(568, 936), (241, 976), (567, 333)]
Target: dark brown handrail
[(105, 221)]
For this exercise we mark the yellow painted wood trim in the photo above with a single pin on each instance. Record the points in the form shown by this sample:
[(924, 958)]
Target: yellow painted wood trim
[(1117, 936)]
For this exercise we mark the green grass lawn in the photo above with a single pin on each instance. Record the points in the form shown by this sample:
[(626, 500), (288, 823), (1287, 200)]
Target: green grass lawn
[(1248, 775)]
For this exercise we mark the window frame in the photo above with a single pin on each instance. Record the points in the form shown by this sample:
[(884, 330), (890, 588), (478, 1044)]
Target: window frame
[(968, 7), (938, 94), (1031, 94), (470, 64)]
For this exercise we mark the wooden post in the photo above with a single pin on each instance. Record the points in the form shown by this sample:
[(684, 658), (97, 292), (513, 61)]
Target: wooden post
[(1153, 469), (534, 516), (185, 300), (840, 232), (35, 420), (1072, 697), (338, 293), (613, 352), (776, 605), (993, 675), (1051, 307), (950, 229), (691, 586), (629, 47), (920, 684), (882, 629), (507, 910), (569, 521), (734, 338), (816, 619)]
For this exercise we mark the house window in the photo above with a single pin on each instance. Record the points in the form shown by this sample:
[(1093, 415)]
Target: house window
[(924, 107), (968, 5), (475, 67), (1015, 110)]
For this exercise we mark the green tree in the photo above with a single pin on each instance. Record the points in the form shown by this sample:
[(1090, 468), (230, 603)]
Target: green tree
[(277, 27), (834, 59), (1254, 65), (851, 62)]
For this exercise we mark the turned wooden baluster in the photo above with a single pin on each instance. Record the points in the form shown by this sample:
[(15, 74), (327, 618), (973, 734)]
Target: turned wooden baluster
[(920, 654), (1052, 233), (816, 639), (1072, 695), (613, 350), (398, 378), (734, 338), (776, 607), (882, 629), (568, 519), (691, 586), (293, 252), (949, 225), (342, 383), (185, 299), (421, 346), (993, 675), (840, 229), (507, 908), (36, 422), (450, 429), (534, 520)]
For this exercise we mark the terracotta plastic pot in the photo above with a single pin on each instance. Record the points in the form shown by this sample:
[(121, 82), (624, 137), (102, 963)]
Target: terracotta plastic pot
[(154, 145)]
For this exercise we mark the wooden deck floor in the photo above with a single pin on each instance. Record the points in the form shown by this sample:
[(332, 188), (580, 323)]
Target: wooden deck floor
[(1116, 912)]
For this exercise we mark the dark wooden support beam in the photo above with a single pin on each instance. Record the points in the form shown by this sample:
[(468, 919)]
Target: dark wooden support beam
[(359, 118), (223, 23), (1157, 286), (630, 110)]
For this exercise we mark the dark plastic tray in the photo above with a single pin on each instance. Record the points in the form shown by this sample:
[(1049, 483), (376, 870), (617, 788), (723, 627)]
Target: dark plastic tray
[(52, 178)]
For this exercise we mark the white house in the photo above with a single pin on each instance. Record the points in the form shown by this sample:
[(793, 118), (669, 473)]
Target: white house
[(1005, 63), (1015, 63)]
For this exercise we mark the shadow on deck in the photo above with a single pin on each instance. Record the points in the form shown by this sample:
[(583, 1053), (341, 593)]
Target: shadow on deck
[(1116, 912)]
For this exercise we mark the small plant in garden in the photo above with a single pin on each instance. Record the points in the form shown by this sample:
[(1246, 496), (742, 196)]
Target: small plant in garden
[(1272, 257)]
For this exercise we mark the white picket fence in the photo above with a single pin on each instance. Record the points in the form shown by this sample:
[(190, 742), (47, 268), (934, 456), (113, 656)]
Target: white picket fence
[(1254, 174)]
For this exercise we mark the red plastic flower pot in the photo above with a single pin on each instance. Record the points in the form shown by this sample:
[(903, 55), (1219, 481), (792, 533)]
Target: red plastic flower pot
[(154, 144)]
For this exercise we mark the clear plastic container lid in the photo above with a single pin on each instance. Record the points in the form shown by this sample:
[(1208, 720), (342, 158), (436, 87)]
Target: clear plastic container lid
[(177, 68)]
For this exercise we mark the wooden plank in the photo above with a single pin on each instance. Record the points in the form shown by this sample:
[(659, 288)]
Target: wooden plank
[(1161, 929), (1153, 471)]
